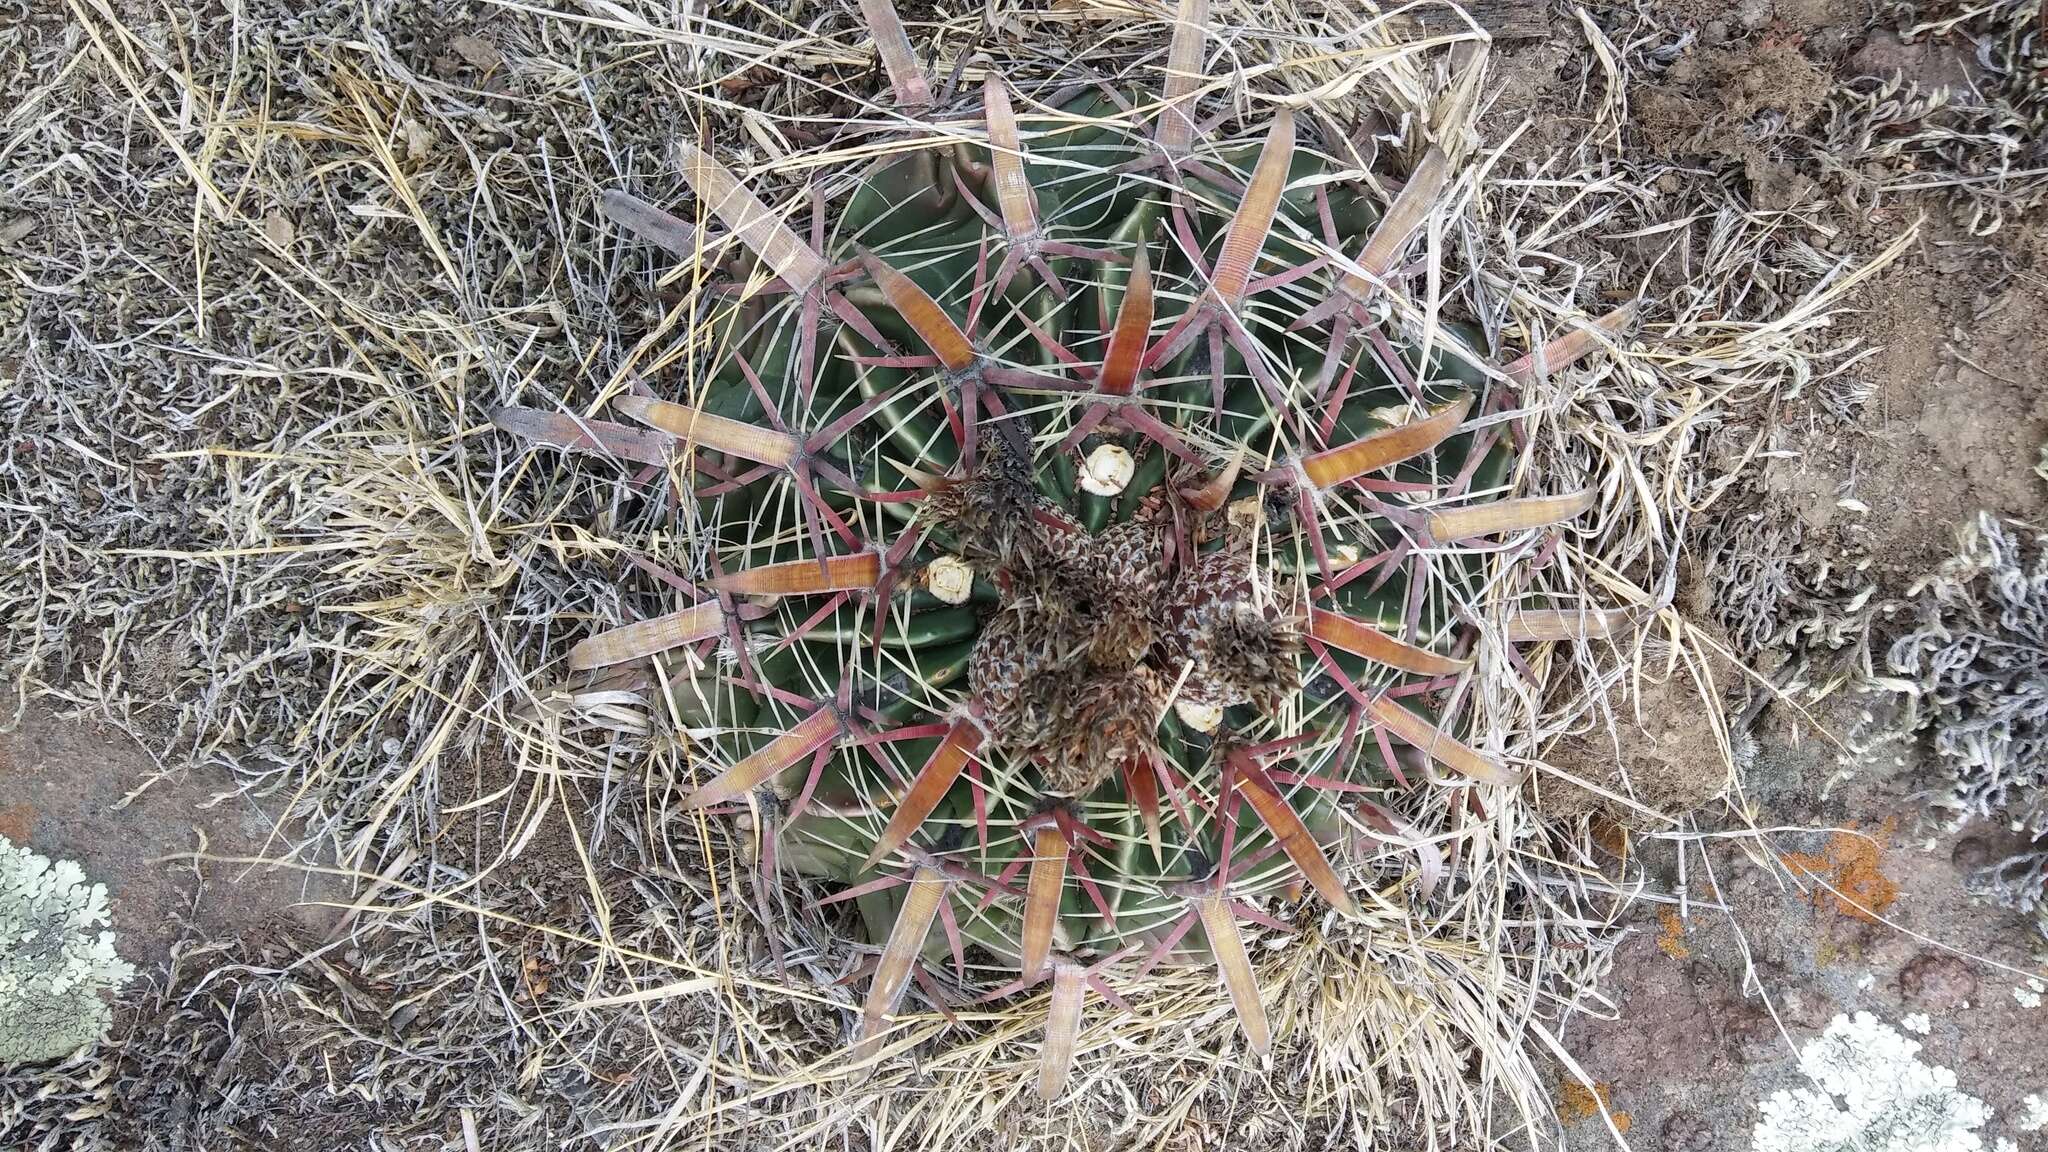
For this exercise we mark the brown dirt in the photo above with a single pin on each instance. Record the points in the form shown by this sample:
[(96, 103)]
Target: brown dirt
[(1955, 415), (75, 792), (1711, 96), (1958, 414), (1662, 752)]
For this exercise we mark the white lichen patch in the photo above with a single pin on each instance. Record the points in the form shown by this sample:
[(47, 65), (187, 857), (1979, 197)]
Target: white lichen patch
[(1917, 1022), (1871, 1094), (2029, 996), (2033, 1113), (53, 967)]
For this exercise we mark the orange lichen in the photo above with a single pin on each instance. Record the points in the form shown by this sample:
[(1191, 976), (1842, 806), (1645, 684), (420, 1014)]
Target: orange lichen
[(1612, 836), (1848, 866), (1671, 940), (1575, 1103)]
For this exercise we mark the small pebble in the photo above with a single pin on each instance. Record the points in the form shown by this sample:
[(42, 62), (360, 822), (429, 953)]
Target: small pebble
[(1689, 1132), (1937, 980), (1973, 852)]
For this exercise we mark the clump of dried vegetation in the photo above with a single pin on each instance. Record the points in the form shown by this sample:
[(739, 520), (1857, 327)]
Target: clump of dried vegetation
[(1979, 148), (1975, 671), (277, 266)]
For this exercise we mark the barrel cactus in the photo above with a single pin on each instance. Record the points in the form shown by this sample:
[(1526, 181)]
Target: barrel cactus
[(1075, 528)]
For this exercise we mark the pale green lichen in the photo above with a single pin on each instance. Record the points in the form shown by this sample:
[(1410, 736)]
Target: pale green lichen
[(2033, 1115), (1871, 1093), (53, 967)]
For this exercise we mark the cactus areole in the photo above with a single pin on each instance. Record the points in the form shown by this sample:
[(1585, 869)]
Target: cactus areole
[(1084, 727)]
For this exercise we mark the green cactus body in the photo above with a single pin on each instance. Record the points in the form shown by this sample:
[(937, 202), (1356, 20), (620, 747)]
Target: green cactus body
[(1090, 616)]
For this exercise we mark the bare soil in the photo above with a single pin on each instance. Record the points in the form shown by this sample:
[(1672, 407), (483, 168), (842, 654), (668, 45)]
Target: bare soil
[(74, 791), (1661, 752)]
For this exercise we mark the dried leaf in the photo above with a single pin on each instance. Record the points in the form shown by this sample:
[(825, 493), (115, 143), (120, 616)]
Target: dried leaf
[(1362, 639), (1042, 897), (892, 44), (647, 637), (860, 571), (1437, 745), (1014, 194), (1508, 515), (599, 437), (937, 775), (1175, 133), (1570, 347), (923, 314), (1219, 922), (1254, 217), (1133, 326), (1376, 450), (1294, 839), (1062, 1027), (813, 732), (928, 886), (758, 227), (703, 430)]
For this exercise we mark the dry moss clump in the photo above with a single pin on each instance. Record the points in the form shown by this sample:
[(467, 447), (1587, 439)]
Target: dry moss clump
[(1978, 668)]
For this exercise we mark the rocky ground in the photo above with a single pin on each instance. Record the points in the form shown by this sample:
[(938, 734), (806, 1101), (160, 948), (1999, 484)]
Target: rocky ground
[(1943, 417), (1712, 1002)]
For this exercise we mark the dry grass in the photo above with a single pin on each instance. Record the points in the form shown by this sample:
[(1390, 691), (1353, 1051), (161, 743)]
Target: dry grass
[(277, 264)]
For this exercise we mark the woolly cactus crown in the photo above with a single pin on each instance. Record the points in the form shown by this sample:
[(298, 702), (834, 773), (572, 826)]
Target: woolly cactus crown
[(1077, 528)]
